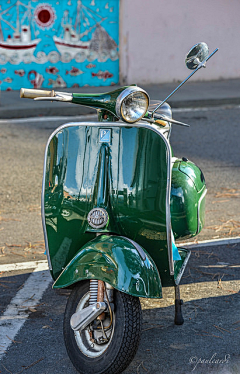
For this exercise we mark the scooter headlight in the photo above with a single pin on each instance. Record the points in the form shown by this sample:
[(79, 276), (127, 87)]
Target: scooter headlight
[(132, 104)]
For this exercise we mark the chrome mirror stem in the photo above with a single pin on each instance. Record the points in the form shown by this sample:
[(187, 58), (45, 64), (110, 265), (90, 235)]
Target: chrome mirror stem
[(201, 65)]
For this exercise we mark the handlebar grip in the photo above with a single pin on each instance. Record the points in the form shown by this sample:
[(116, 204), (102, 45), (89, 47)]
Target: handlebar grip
[(31, 93)]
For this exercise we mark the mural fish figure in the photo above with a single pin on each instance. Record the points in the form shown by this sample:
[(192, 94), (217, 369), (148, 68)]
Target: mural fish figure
[(52, 70), (8, 80), (3, 70), (59, 82), (102, 75), (74, 71), (90, 66), (20, 72)]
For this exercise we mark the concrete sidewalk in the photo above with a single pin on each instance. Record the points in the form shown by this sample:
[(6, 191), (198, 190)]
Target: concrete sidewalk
[(192, 94)]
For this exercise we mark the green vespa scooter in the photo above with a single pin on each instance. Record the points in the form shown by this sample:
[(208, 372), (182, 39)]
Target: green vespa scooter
[(114, 199)]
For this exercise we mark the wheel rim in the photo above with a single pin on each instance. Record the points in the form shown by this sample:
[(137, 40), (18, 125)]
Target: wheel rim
[(86, 346)]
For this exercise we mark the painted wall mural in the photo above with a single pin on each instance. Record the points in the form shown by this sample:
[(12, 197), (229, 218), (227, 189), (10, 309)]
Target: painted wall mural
[(65, 43)]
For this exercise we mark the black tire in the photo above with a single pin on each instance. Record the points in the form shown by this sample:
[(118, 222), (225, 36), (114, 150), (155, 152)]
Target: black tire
[(125, 336)]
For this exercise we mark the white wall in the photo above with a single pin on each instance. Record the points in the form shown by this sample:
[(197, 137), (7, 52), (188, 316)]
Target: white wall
[(155, 36)]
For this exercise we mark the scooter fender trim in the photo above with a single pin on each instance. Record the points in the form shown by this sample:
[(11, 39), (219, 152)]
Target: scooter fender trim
[(117, 261)]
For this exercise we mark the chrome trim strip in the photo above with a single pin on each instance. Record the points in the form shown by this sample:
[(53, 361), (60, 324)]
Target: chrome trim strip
[(138, 248), (43, 203), (198, 210), (117, 124), (177, 280)]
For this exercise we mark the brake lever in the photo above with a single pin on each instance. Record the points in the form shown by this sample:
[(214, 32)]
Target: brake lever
[(164, 118), (59, 96), (47, 98), (174, 121)]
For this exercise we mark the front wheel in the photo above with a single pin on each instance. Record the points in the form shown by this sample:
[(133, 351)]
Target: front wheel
[(103, 351)]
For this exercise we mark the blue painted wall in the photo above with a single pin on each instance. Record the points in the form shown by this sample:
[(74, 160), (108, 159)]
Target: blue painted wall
[(64, 43)]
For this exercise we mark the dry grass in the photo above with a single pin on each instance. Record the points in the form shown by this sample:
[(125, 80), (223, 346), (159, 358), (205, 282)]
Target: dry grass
[(227, 228)]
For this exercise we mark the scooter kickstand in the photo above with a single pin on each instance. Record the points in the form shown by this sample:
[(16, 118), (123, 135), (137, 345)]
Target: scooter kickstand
[(178, 320)]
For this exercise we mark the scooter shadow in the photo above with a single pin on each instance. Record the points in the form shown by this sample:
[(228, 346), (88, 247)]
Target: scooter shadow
[(210, 289), (211, 329)]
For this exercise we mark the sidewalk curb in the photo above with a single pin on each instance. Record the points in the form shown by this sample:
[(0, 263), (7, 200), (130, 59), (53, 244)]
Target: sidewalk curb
[(204, 103), (21, 112)]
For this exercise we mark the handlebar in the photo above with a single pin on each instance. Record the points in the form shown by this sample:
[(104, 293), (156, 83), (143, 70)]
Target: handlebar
[(32, 94), (29, 93)]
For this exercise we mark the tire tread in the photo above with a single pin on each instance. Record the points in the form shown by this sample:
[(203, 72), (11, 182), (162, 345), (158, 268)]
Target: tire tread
[(133, 326), (130, 338)]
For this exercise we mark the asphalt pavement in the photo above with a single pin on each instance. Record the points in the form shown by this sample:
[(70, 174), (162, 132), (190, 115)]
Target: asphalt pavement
[(210, 286), (207, 342), (192, 94)]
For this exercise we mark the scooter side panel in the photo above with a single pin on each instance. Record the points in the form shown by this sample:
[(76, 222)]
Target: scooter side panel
[(117, 261), (187, 205)]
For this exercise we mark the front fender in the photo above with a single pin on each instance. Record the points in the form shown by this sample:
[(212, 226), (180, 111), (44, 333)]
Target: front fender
[(118, 261)]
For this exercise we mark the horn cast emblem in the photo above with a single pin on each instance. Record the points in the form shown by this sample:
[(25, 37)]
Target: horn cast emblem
[(97, 218)]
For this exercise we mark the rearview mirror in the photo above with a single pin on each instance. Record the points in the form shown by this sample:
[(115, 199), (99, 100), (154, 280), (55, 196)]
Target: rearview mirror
[(197, 54)]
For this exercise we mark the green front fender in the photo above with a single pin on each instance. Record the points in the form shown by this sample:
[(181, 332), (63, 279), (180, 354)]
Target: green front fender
[(118, 261)]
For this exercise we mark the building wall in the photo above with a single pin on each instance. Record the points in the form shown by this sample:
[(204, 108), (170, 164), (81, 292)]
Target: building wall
[(63, 43), (155, 36)]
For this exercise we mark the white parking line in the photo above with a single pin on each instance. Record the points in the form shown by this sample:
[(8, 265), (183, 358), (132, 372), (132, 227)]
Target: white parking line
[(43, 264), (18, 310), (24, 266)]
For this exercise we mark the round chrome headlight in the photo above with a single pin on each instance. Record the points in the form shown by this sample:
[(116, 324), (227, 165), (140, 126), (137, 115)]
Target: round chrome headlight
[(132, 104)]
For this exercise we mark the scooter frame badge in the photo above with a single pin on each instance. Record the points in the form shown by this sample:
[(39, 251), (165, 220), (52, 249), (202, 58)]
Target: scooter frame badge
[(97, 218), (105, 136)]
